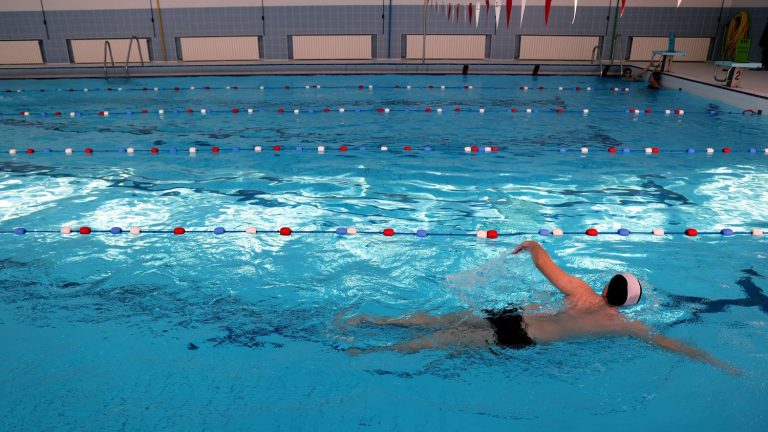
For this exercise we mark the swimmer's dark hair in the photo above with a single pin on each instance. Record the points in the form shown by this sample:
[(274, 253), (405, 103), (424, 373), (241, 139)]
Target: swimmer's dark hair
[(626, 71), (656, 76), (617, 291)]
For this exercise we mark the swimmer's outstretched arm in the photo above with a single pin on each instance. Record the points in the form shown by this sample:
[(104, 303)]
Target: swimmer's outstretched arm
[(639, 330), (569, 285)]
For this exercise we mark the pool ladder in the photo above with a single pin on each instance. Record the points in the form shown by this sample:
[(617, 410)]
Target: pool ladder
[(108, 50), (597, 58)]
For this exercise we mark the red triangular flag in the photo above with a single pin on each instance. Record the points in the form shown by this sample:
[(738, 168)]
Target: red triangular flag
[(470, 14), (547, 6), (450, 8), (487, 8), (509, 11), (458, 12), (623, 4)]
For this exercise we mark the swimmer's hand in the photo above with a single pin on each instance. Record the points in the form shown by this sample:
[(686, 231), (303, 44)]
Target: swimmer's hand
[(525, 246)]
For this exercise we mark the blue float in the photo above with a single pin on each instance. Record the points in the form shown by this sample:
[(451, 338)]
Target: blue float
[(341, 231), (623, 232), (219, 230), (421, 233), (726, 232), (19, 231), (544, 232), (116, 230)]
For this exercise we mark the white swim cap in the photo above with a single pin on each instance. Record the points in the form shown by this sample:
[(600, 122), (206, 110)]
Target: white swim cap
[(624, 289)]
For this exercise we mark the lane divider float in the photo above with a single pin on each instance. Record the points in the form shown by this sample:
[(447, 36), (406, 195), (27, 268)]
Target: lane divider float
[(407, 148), (386, 232), (262, 87), (162, 112)]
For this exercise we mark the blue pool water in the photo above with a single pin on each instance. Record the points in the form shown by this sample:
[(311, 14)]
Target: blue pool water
[(235, 331)]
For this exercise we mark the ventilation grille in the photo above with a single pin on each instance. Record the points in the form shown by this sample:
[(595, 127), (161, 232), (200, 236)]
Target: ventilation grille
[(219, 48), (340, 47), (696, 49), (557, 47), (92, 50), (20, 52), (446, 47)]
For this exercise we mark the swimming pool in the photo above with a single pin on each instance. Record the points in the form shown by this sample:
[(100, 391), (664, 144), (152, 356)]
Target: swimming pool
[(235, 331)]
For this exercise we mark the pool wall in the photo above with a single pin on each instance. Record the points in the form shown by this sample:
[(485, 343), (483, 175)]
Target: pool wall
[(54, 23)]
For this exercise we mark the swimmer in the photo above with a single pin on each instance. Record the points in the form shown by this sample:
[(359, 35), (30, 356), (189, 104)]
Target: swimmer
[(585, 314), (654, 80)]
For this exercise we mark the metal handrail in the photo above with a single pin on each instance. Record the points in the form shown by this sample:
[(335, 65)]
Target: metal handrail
[(620, 40), (128, 57), (107, 48), (596, 57)]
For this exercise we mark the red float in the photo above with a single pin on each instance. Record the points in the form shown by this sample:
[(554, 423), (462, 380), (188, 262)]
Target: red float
[(285, 231), (30, 151), (691, 232), (726, 150), (408, 148), (492, 234), (276, 148), (655, 150), (154, 150), (215, 149), (612, 149), (85, 230), (179, 231), (343, 148), (591, 232), (389, 232), (235, 110), (88, 150)]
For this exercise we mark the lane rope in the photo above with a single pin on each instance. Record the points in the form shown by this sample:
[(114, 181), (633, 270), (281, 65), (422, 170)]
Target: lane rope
[(410, 149), (387, 232), (161, 112), (531, 87)]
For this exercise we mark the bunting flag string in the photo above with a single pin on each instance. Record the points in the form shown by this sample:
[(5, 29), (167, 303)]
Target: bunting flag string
[(575, 5)]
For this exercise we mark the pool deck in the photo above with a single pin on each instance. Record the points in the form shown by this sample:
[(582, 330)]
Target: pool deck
[(754, 82)]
